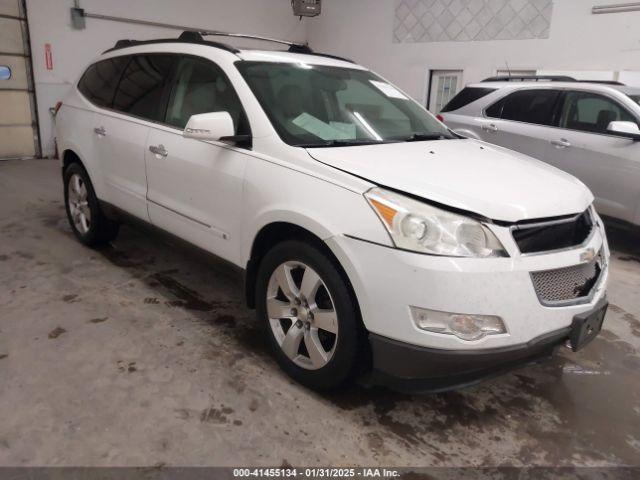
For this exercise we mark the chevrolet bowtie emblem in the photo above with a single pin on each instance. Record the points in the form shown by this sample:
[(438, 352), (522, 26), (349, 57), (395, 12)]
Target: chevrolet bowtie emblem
[(588, 255)]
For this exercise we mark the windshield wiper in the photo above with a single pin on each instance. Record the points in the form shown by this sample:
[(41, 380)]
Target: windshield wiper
[(420, 137), (341, 143)]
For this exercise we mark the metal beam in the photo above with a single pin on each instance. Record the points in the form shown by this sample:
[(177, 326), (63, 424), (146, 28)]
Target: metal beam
[(616, 8), (201, 31)]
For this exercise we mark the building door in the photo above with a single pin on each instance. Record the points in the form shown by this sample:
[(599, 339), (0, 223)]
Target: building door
[(18, 127), (444, 85)]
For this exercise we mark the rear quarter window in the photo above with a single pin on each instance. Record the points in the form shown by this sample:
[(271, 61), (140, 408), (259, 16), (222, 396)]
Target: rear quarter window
[(465, 97), (99, 82)]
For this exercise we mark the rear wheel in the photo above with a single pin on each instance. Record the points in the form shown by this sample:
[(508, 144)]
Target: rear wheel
[(310, 315), (87, 221)]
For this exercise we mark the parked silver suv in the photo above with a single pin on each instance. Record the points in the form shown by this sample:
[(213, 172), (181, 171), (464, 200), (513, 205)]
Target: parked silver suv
[(589, 129)]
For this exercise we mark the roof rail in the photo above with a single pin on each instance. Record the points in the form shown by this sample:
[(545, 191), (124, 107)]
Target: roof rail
[(185, 37), (604, 82), (530, 78), (294, 47), (197, 37)]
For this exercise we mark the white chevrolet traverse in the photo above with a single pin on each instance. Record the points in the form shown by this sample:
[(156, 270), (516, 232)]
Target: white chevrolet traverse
[(376, 243)]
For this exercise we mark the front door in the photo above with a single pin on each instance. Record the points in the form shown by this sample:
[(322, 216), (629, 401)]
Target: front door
[(608, 165), (195, 187)]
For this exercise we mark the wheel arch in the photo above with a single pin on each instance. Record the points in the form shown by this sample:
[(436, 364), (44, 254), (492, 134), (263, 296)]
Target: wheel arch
[(279, 231)]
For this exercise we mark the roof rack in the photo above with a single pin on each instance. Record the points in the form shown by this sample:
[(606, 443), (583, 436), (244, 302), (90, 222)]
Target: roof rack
[(294, 47), (185, 37), (603, 82), (530, 78), (548, 78), (197, 37)]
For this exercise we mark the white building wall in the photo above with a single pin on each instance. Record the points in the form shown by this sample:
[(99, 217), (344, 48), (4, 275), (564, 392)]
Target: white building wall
[(360, 29), (577, 40), (72, 50)]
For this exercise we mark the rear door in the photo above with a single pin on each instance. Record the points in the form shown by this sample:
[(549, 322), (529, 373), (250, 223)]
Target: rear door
[(18, 127), (132, 92), (522, 121), (195, 187), (607, 164)]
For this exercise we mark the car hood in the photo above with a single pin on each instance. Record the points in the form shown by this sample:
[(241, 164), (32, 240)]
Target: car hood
[(466, 174)]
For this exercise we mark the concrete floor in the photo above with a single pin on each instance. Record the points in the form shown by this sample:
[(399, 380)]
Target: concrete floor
[(143, 354)]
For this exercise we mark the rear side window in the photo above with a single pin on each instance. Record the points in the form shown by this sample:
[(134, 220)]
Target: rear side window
[(530, 106), (141, 89), (100, 80), (467, 96)]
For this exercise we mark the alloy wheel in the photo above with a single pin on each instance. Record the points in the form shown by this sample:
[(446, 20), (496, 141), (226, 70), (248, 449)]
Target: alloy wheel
[(302, 315), (79, 203)]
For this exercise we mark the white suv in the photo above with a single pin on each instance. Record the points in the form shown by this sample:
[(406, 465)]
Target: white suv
[(589, 129), (375, 243)]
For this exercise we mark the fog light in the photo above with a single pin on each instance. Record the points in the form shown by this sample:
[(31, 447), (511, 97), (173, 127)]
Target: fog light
[(463, 326)]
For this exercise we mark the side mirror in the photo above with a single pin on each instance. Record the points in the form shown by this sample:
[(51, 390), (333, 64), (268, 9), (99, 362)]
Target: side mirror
[(214, 126), (624, 129)]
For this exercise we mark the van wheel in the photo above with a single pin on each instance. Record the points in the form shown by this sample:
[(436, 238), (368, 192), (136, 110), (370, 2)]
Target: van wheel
[(87, 221), (311, 319)]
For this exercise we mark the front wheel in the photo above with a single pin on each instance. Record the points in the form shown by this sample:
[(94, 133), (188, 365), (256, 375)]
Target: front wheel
[(311, 318), (87, 221)]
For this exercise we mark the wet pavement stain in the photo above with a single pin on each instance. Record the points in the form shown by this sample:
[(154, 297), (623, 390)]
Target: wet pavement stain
[(70, 298), (215, 415), (126, 367), (56, 332), (99, 320), (186, 297)]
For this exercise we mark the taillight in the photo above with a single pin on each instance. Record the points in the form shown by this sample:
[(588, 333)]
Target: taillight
[(440, 117)]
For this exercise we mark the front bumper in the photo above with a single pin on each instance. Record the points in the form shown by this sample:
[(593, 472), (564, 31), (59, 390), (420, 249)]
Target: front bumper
[(388, 281), (409, 368)]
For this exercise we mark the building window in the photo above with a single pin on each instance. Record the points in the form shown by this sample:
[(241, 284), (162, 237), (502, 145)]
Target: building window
[(5, 72)]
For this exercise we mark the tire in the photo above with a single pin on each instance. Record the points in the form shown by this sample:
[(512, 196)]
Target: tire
[(87, 221), (329, 345)]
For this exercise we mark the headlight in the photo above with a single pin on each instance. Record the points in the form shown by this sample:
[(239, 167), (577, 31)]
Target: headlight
[(419, 227)]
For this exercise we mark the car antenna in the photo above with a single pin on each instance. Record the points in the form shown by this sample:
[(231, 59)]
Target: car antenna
[(508, 69)]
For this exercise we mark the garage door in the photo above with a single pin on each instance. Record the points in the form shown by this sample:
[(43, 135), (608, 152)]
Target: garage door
[(18, 128)]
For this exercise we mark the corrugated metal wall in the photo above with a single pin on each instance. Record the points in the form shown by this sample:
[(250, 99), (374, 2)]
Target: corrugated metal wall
[(18, 128)]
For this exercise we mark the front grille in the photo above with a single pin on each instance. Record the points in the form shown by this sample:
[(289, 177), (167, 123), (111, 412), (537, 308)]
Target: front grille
[(568, 284), (544, 236)]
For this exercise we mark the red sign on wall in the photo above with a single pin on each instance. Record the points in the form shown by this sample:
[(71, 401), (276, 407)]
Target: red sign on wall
[(48, 56)]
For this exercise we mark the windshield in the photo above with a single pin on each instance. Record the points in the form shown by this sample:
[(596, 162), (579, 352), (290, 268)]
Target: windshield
[(635, 98), (319, 106)]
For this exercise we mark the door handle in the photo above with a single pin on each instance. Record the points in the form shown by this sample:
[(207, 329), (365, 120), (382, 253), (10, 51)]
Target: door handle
[(100, 131), (489, 128), (159, 150), (562, 143)]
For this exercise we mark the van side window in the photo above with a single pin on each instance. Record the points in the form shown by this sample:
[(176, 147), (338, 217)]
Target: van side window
[(530, 106), (140, 92), (99, 82), (590, 112), (202, 87)]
